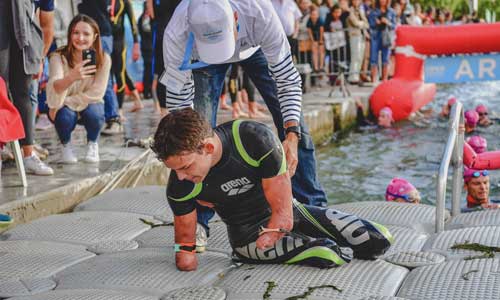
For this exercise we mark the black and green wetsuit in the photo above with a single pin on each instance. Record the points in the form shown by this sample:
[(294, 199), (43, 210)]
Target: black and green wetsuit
[(251, 152)]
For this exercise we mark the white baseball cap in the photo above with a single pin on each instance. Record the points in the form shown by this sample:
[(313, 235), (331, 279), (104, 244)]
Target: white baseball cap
[(212, 22)]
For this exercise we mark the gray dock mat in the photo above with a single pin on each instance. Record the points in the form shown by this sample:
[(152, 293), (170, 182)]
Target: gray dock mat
[(196, 293), (382, 298), (405, 239), (357, 279), (27, 265), (443, 241), (147, 200), (411, 259), (149, 271), (163, 236), (86, 295), (455, 279), (419, 217), (86, 227), (477, 218)]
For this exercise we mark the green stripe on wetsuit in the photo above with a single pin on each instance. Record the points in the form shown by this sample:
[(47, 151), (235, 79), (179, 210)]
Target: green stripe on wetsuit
[(244, 154), (195, 192)]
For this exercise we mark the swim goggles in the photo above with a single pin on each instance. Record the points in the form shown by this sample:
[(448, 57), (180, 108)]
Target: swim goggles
[(483, 114), (405, 197), (479, 173)]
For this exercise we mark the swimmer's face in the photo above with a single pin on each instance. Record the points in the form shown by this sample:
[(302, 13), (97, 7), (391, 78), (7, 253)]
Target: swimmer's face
[(384, 120), (193, 166), (479, 188)]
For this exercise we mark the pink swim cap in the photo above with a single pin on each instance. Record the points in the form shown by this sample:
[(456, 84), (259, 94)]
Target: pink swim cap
[(452, 101), (386, 110), (471, 117), (478, 143), (481, 109), (473, 173), (398, 186)]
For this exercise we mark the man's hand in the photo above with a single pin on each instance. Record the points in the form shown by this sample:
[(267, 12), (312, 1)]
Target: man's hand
[(136, 52), (290, 145), (150, 9), (268, 239), (186, 261), (52, 114)]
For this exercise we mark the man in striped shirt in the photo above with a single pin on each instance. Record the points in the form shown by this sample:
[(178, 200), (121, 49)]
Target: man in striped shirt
[(201, 41)]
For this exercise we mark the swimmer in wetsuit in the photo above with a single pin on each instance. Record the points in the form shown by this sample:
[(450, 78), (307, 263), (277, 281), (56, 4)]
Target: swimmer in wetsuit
[(119, 9), (239, 169)]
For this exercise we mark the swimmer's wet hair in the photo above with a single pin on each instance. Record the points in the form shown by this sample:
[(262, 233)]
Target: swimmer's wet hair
[(180, 131)]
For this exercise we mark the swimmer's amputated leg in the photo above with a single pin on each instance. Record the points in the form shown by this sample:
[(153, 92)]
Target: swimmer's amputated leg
[(295, 249), (366, 238)]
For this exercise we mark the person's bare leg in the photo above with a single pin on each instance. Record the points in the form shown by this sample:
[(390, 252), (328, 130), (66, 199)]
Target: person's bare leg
[(237, 112), (374, 73), (222, 103), (137, 101), (385, 72), (27, 150)]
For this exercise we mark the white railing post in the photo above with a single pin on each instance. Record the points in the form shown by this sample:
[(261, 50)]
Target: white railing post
[(453, 149)]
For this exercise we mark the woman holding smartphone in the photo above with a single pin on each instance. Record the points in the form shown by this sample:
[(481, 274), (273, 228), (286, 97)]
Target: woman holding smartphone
[(76, 87)]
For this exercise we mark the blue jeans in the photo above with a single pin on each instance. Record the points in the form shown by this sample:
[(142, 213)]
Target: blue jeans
[(375, 47), (92, 118), (208, 83), (110, 100)]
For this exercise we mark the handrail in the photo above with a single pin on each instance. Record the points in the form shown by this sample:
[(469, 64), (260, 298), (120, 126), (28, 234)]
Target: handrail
[(453, 152)]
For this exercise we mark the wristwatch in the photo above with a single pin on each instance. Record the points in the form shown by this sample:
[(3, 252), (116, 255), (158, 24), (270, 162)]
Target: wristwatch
[(294, 129)]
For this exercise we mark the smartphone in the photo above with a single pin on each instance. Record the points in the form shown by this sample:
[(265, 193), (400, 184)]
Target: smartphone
[(89, 54)]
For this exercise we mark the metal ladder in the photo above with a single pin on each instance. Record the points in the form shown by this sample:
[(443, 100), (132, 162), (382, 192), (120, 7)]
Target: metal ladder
[(453, 153)]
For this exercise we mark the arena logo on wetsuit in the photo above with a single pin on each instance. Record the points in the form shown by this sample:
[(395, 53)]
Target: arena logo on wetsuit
[(347, 225), (237, 186)]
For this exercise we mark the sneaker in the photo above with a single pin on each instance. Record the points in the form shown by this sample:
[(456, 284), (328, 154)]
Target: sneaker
[(112, 127), (68, 157), (201, 238), (92, 155), (33, 165), (43, 122)]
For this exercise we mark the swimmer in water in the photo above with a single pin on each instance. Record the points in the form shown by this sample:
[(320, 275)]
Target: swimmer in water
[(484, 120), (400, 190), (446, 109), (471, 119), (384, 120), (478, 143)]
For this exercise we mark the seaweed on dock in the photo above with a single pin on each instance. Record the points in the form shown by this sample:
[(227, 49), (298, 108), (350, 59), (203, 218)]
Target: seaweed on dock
[(311, 289), (270, 286), (153, 225), (488, 251)]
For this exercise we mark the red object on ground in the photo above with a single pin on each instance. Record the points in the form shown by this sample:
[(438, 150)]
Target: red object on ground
[(406, 92), (481, 161), (11, 125)]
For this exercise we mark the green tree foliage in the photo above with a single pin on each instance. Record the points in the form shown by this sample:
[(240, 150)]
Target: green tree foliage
[(461, 7)]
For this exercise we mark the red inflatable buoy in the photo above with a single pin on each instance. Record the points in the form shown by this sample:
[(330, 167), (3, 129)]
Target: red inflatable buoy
[(406, 92)]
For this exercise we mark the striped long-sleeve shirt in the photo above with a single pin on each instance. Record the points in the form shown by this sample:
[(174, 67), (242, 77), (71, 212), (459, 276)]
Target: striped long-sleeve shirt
[(259, 27)]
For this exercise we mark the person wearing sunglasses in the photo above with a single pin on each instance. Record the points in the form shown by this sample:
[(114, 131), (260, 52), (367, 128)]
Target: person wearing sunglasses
[(477, 185), (484, 120), (400, 190)]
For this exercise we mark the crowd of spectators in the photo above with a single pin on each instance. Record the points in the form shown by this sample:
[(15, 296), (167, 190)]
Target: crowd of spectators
[(355, 37)]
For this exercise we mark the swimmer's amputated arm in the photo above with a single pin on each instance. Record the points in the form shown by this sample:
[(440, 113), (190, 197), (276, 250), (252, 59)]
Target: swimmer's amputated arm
[(278, 192), (185, 233)]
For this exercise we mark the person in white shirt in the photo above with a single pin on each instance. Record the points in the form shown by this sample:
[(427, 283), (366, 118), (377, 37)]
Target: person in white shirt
[(201, 41), (289, 14)]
